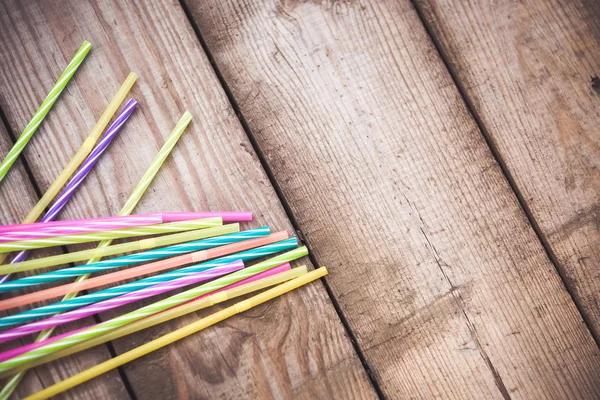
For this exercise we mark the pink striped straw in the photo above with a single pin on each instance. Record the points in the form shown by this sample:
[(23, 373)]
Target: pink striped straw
[(90, 221), (28, 347), (8, 354), (96, 225), (16, 232), (119, 301)]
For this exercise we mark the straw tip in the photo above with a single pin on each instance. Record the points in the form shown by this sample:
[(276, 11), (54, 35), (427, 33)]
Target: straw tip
[(245, 215), (86, 45), (302, 250), (132, 76), (187, 116)]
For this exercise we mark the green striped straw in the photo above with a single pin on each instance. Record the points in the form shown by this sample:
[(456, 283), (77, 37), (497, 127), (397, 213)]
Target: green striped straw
[(143, 312), (127, 209), (171, 227), (44, 108)]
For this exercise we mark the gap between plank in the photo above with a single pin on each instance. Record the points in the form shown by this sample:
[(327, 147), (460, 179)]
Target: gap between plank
[(38, 193), (502, 164), (232, 101)]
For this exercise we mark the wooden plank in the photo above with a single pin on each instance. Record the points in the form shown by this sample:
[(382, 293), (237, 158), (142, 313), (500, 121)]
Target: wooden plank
[(434, 265), (295, 346), (17, 197), (526, 69)]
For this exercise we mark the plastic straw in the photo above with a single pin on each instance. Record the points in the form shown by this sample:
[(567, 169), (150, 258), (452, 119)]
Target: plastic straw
[(127, 209), (55, 228), (260, 281), (206, 274), (144, 244), (109, 293), (81, 154), (28, 347), (138, 314), (44, 108), (131, 259), (145, 269), (15, 232), (178, 334), (83, 171), (148, 230)]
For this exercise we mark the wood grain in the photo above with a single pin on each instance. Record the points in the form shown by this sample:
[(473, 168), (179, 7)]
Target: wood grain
[(441, 278), (526, 68), (17, 197), (292, 347)]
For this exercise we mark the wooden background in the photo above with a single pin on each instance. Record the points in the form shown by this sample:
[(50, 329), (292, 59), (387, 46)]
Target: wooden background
[(440, 157)]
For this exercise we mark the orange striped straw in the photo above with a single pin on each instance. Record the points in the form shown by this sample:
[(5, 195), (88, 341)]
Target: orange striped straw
[(145, 269)]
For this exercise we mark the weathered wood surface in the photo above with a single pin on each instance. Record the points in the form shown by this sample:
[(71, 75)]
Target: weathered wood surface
[(294, 346), (525, 67), (441, 278), (17, 197)]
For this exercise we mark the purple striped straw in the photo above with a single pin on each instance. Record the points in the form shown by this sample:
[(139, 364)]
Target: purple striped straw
[(119, 301), (61, 200)]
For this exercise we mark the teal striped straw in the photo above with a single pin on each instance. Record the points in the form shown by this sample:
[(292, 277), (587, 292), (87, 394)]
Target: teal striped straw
[(131, 259), (109, 293), (44, 108), (111, 324)]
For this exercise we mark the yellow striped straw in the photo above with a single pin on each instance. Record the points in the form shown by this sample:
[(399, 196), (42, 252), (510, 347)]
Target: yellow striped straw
[(179, 334)]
